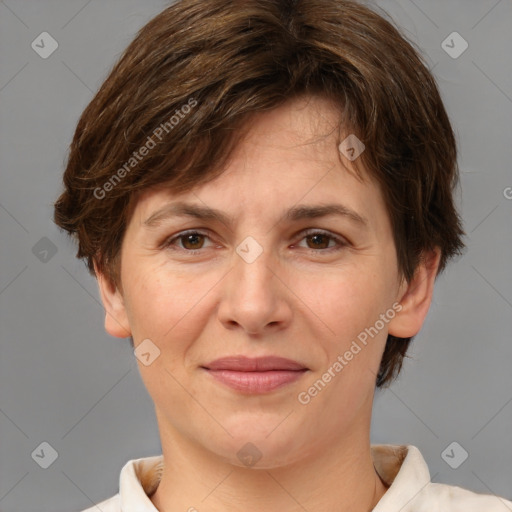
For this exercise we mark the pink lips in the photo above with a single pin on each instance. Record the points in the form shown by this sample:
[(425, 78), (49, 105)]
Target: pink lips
[(255, 375)]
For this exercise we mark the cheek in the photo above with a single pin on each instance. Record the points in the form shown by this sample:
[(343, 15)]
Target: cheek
[(163, 305), (346, 300)]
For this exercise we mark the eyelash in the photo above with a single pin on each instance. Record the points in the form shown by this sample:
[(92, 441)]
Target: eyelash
[(341, 243)]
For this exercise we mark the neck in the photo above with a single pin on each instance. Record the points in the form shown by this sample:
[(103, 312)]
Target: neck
[(342, 477)]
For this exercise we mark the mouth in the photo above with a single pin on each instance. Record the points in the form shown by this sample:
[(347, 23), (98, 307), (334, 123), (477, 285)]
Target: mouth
[(255, 375)]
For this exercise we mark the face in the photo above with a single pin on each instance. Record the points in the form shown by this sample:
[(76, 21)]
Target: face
[(266, 279)]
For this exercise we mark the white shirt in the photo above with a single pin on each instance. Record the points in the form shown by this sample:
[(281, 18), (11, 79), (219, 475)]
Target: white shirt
[(401, 467)]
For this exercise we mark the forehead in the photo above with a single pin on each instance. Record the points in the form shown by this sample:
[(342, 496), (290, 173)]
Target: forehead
[(289, 155)]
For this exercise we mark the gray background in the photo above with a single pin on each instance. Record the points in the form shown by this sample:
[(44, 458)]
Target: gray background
[(64, 381)]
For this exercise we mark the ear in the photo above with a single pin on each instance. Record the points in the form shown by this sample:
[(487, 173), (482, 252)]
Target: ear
[(116, 319), (416, 296)]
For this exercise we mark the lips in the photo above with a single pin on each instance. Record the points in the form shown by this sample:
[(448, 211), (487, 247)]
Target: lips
[(255, 375), (259, 364)]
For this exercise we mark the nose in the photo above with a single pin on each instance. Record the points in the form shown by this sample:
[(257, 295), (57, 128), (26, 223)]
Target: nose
[(254, 297)]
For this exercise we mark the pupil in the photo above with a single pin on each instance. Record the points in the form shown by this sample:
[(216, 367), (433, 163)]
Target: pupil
[(191, 238), (315, 239)]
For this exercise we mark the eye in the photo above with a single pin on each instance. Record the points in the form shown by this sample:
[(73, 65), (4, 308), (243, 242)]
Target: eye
[(192, 241), (318, 241)]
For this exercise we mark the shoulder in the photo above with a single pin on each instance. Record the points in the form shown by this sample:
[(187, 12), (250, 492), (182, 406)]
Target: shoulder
[(456, 499), (139, 478), (110, 505), (405, 471)]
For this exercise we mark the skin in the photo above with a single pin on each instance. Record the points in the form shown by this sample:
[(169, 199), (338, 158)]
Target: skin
[(298, 300)]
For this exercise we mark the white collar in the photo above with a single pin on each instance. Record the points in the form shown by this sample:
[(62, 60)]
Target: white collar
[(402, 467), (405, 470)]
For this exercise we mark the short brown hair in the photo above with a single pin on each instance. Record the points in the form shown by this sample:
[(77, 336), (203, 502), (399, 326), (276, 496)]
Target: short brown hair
[(228, 60)]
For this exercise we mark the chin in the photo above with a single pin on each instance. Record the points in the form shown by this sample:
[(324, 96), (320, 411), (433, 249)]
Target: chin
[(260, 445)]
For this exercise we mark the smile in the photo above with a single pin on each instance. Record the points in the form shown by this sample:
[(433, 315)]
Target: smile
[(255, 375)]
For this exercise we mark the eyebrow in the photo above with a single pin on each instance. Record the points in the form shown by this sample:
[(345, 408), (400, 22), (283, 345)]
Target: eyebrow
[(297, 213)]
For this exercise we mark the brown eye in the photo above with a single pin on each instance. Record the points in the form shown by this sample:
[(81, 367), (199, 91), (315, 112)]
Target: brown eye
[(319, 241), (192, 241)]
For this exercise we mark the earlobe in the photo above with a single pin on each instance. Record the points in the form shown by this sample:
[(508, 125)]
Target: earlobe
[(116, 319), (415, 297)]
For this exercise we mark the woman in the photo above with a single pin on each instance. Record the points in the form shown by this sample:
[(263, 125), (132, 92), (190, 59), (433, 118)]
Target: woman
[(263, 190)]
